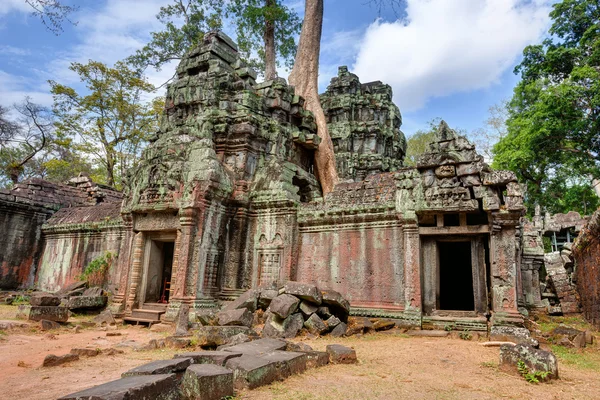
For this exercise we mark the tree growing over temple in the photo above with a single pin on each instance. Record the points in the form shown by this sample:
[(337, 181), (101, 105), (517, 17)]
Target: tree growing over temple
[(553, 126), (110, 121)]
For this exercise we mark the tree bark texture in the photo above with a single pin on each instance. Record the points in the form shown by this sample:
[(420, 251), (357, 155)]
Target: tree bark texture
[(269, 37), (304, 77)]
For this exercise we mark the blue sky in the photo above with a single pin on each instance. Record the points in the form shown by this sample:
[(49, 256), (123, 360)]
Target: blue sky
[(443, 58)]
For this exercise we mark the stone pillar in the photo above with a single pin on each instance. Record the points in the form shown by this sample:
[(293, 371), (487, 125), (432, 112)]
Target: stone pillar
[(412, 274), (117, 305), (504, 275), (136, 271)]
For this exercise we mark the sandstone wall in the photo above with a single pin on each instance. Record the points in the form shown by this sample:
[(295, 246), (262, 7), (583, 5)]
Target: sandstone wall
[(73, 238), (20, 242), (586, 251)]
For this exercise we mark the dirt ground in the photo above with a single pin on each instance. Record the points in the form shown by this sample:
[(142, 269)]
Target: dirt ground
[(391, 366)]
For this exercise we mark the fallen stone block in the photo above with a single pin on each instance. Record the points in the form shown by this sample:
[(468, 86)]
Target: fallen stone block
[(428, 333), (258, 347), (207, 317), (23, 311), (332, 322), (155, 387), (206, 382), (266, 297), (238, 317), (589, 337), (284, 305), (324, 312), (209, 357), (183, 320), (86, 302), (304, 291), (275, 327), (315, 359), (307, 309), (46, 325), (9, 325), (338, 305), (73, 286), (298, 347), (288, 362), (339, 354), (251, 371), (315, 325), (50, 313), (513, 334), (105, 318), (339, 330), (44, 299), (52, 361), (176, 342), (235, 340), (359, 325), (213, 336), (247, 300), (85, 352), (95, 291), (171, 366), (535, 360), (383, 324)]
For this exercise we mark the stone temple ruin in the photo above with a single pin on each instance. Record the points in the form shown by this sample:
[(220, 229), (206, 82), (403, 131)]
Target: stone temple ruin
[(225, 199)]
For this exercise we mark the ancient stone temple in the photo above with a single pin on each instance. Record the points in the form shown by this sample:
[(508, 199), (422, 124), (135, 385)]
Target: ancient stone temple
[(225, 198), (364, 125)]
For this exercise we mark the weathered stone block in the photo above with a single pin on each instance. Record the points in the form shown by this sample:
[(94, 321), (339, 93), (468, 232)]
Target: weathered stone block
[(206, 382), (276, 327), (44, 299), (266, 297), (50, 313), (52, 361), (213, 336), (183, 320), (307, 308), (288, 363), (251, 371), (105, 318), (535, 360), (284, 305), (247, 300), (304, 291), (338, 305), (513, 334), (383, 324), (177, 342), (315, 325), (209, 357), (238, 317), (339, 330), (315, 359), (155, 387), (85, 352), (339, 354), (46, 325), (258, 347), (174, 365), (89, 302)]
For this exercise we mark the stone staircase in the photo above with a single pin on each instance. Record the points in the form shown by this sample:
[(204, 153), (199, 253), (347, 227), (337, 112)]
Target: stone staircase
[(148, 314)]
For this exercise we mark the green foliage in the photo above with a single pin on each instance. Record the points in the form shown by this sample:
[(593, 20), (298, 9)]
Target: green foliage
[(20, 299), (110, 124), (250, 19), (96, 270), (531, 377), (554, 116), (465, 335), (588, 360), (449, 327), (418, 143)]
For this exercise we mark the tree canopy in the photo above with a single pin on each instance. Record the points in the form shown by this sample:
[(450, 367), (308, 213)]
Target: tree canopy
[(553, 126)]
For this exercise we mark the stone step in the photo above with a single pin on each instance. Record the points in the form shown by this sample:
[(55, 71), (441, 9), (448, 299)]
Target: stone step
[(155, 306), (137, 321), (147, 314)]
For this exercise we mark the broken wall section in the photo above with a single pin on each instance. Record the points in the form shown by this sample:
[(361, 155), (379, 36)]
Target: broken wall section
[(586, 251)]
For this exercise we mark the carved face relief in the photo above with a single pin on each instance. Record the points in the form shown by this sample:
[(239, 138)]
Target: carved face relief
[(445, 171)]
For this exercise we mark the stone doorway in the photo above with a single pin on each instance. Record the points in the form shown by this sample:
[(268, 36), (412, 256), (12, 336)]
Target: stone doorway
[(158, 267), (455, 275), (455, 278)]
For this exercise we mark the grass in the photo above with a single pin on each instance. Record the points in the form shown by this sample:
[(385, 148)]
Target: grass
[(588, 358), (548, 323)]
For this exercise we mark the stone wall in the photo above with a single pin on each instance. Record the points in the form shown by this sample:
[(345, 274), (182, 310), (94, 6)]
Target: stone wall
[(586, 251), (73, 238), (23, 211)]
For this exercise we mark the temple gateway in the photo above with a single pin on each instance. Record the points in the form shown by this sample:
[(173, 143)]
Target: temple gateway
[(225, 198)]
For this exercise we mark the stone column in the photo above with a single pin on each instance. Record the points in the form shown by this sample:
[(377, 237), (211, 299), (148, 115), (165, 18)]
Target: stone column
[(412, 274), (123, 267), (136, 271), (504, 275), (184, 251)]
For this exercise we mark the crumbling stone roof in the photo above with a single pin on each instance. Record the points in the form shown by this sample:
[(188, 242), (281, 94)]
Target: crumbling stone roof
[(103, 213), (40, 193)]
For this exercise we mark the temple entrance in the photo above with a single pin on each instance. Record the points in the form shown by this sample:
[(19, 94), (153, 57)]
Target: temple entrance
[(455, 277), (159, 265)]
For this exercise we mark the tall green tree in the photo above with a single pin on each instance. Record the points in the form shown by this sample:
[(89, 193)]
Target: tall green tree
[(553, 127), (110, 121), (265, 31)]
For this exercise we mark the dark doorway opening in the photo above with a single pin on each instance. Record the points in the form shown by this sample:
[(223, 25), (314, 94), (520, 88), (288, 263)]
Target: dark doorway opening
[(455, 277), (160, 265)]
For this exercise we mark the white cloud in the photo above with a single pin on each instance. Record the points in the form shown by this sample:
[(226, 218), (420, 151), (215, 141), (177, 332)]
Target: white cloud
[(15, 88), (444, 47), (7, 6)]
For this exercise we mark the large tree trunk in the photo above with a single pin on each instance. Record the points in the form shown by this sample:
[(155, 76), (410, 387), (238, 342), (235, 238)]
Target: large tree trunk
[(304, 77), (596, 186), (269, 37)]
